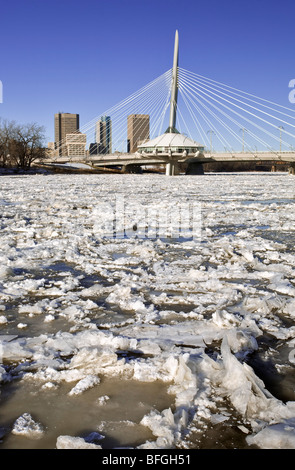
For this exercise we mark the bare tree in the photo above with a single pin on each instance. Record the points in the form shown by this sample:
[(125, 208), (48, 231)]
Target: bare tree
[(7, 136), (21, 145), (29, 145)]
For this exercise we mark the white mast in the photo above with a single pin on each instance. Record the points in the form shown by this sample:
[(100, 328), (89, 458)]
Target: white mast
[(174, 87)]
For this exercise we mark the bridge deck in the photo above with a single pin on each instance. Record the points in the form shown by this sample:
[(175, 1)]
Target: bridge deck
[(138, 159)]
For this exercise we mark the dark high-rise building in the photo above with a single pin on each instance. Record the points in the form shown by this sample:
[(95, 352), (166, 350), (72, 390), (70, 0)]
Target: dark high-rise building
[(64, 123), (103, 135), (138, 130)]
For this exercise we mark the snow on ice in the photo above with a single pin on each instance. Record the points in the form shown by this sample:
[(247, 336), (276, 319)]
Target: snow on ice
[(82, 300), (26, 426)]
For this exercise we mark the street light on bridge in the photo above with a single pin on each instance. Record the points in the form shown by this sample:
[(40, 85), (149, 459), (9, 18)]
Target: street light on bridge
[(243, 130), (211, 132), (281, 129)]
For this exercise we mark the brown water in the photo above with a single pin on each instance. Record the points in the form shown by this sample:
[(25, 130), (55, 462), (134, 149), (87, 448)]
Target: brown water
[(116, 417)]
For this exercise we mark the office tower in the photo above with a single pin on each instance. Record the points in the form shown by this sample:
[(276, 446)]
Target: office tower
[(93, 149), (103, 135), (64, 123), (50, 151), (138, 130), (75, 144)]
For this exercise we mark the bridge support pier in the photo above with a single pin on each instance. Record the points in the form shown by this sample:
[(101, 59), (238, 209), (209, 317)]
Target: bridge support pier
[(292, 169), (172, 169), (132, 168), (194, 168)]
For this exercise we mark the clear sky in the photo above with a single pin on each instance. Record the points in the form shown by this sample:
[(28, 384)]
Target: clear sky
[(86, 56)]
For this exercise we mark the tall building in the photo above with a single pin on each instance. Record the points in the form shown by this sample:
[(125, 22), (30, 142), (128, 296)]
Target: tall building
[(138, 130), (64, 123), (93, 149), (50, 151), (103, 135), (75, 144)]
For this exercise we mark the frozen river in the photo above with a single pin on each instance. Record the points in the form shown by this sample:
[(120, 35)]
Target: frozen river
[(147, 311)]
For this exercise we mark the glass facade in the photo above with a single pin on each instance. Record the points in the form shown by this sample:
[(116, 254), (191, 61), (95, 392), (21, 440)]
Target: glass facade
[(172, 149)]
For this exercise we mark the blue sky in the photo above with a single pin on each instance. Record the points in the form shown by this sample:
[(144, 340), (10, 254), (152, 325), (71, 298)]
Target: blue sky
[(86, 56)]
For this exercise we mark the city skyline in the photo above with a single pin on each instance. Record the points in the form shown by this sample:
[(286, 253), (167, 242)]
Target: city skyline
[(229, 42), (69, 137)]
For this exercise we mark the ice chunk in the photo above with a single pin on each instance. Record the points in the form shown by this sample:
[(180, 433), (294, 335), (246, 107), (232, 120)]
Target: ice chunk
[(217, 418), (92, 359), (239, 341), (26, 426), (49, 318), (84, 384), (289, 308), (3, 374), (16, 350), (103, 400), (224, 319), (162, 425), (69, 442), (92, 291), (275, 436), (94, 437), (74, 313), (49, 386), (5, 271), (245, 389), (36, 309)]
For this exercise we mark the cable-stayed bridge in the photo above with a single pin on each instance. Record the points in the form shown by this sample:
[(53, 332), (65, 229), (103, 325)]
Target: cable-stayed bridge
[(183, 117)]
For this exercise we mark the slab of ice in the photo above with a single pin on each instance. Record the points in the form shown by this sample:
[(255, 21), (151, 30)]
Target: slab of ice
[(27, 427), (84, 384), (69, 442), (275, 436)]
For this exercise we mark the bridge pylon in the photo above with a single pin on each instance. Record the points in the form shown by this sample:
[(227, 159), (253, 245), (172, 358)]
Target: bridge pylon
[(170, 167), (174, 87)]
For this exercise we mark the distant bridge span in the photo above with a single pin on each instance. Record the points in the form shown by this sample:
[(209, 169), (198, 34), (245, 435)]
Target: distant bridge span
[(192, 160), (250, 157)]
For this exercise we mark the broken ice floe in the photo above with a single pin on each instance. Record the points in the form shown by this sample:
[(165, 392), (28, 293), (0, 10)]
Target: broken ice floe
[(188, 313)]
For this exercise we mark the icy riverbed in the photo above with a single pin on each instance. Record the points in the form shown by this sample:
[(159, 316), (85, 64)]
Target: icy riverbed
[(147, 311)]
